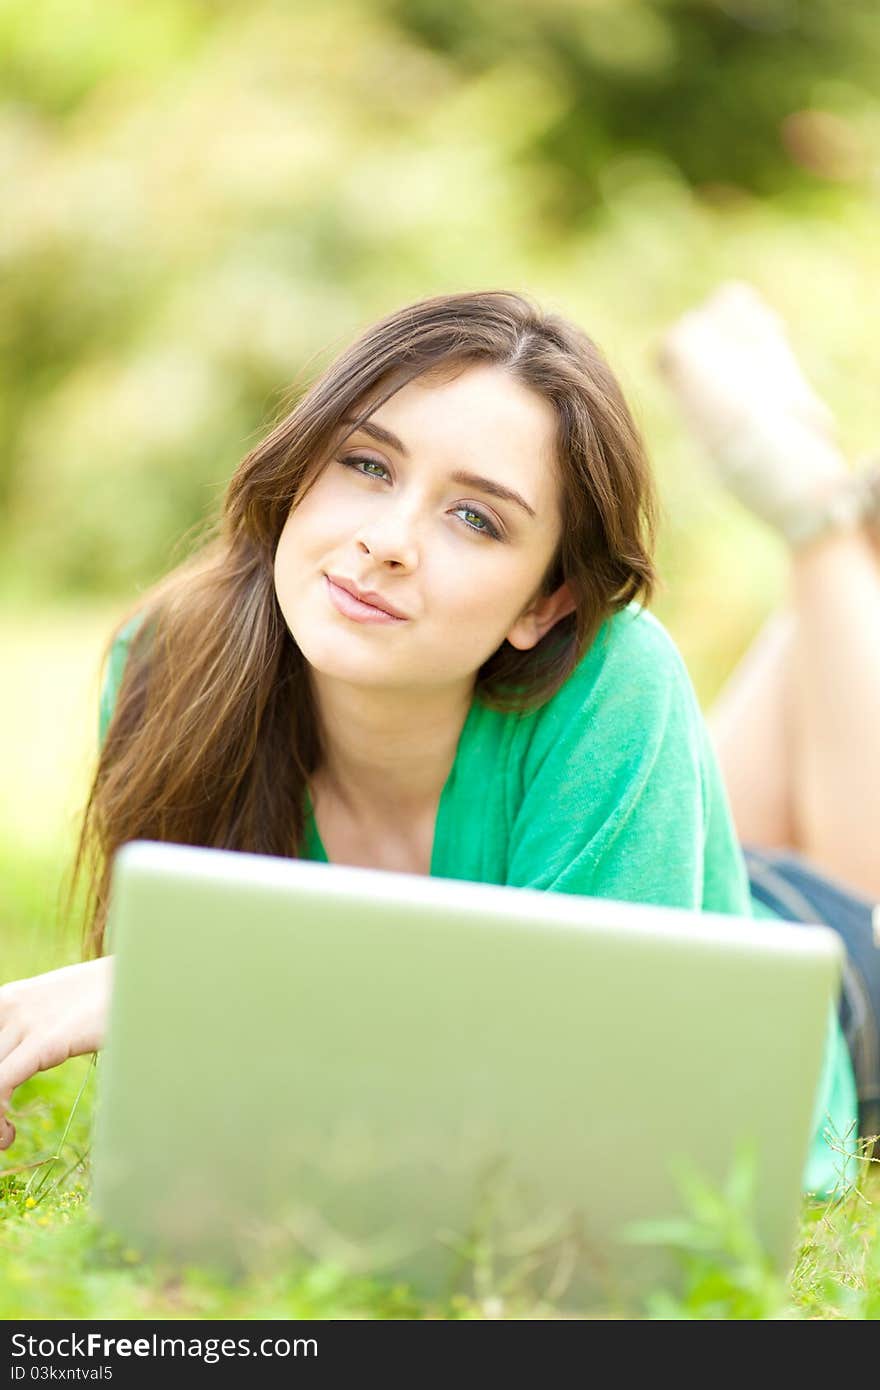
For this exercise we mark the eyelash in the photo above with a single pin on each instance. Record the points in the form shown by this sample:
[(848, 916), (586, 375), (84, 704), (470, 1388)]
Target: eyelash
[(489, 528)]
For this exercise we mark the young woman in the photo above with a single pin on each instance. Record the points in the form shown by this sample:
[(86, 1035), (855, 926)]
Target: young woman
[(416, 644)]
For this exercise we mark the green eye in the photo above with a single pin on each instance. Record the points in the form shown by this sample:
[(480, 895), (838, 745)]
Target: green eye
[(361, 464), (475, 521)]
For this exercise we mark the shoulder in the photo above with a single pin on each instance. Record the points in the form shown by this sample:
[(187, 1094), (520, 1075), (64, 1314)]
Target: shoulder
[(117, 657), (629, 692), (126, 634), (635, 635), (120, 648), (632, 657)]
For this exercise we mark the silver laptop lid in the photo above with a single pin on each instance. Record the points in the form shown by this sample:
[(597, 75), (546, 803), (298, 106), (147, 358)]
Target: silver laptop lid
[(380, 1068)]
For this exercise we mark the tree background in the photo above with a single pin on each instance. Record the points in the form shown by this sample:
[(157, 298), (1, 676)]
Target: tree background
[(206, 199)]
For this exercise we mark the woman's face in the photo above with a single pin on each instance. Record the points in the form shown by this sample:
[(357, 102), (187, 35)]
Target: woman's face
[(445, 506)]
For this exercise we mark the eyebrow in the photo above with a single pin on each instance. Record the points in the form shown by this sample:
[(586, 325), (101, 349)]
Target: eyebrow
[(475, 480)]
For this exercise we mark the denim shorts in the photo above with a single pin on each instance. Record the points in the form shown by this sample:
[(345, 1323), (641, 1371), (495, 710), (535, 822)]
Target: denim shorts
[(789, 885)]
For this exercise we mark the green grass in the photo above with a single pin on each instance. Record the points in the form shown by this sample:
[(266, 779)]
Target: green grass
[(58, 1262)]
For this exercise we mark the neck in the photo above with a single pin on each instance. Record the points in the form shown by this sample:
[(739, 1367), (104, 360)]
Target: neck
[(387, 754)]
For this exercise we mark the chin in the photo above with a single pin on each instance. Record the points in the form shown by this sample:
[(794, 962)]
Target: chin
[(336, 658)]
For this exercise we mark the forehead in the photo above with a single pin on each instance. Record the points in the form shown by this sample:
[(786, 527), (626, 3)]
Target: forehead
[(480, 418)]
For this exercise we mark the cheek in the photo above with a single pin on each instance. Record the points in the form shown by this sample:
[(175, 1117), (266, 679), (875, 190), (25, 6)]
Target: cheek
[(479, 600), (292, 559), (284, 574), (306, 533), (289, 547)]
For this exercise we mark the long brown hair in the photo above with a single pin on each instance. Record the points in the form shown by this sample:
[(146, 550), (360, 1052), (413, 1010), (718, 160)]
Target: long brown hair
[(214, 735)]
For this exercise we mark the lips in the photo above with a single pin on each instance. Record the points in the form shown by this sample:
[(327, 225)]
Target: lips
[(368, 597)]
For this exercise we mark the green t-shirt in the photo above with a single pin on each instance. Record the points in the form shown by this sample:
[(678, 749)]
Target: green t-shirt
[(611, 789)]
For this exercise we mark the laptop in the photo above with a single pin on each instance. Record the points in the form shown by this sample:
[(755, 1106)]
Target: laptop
[(436, 1081)]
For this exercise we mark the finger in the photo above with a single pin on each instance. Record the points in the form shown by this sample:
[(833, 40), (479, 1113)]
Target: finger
[(21, 1064), (14, 1069)]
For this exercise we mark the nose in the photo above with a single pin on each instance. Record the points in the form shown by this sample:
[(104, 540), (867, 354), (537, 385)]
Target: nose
[(390, 539)]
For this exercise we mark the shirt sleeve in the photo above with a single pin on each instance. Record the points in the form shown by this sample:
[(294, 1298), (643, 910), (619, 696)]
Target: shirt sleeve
[(621, 794), (113, 676), (832, 1164), (622, 797)]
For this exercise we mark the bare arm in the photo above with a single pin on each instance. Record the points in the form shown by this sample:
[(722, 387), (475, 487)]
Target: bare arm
[(46, 1019)]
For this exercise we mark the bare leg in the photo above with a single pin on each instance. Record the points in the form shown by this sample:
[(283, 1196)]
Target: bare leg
[(751, 728), (797, 728), (836, 686)]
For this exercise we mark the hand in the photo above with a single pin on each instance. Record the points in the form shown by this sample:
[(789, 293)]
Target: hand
[(739, 384), (46, 1019)]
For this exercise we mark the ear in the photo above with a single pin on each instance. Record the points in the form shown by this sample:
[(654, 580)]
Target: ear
[(539, 617)]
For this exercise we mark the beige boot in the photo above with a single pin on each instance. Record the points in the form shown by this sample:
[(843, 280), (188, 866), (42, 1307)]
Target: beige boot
[(769, 435)]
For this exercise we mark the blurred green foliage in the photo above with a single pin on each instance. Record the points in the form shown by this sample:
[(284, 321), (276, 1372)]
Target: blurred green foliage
[(709, 85), (207, 199)]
